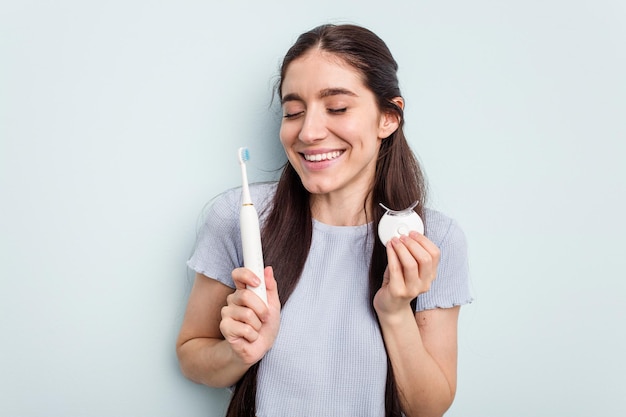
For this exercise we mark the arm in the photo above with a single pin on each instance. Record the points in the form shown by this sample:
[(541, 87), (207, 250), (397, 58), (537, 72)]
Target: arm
[(422, 346), (226, 331)]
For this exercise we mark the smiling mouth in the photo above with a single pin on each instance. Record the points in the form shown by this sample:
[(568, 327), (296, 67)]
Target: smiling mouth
[(322, 156)]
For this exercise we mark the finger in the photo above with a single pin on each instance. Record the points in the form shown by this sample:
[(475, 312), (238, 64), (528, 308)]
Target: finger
[(243, 277), (410, 267), (428, 245), (418, 252), (393, 263), (396, 271), (241, 314), (386, 275), (271, 286), (244, 297), (425, 253), (234, 330)]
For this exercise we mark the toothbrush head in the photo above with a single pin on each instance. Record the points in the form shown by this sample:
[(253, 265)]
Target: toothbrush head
[(243, 154)]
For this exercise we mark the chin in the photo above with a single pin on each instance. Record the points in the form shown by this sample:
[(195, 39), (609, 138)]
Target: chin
[(316, 188)]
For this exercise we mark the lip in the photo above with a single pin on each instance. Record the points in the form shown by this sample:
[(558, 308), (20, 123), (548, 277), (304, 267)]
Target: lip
[(320, 165)]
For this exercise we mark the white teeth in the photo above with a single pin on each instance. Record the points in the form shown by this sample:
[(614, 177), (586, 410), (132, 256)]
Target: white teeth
[(322, 156)]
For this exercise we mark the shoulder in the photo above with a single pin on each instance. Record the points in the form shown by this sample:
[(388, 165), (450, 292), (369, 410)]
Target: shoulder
[(218, 245), (443, 230), (451, 287), (229, 202), (262, 194)]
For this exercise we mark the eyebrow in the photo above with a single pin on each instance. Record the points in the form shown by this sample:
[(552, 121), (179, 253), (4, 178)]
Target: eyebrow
[(327, 92)]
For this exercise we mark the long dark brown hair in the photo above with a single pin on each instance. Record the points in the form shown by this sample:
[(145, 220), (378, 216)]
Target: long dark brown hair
[(398, 183)]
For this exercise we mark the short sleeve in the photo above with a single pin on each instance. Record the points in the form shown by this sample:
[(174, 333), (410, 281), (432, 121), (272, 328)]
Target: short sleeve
[(218, 246), (451, 286)]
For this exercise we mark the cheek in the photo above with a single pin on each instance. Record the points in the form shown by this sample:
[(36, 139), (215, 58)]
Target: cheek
[(281, 136), (356, 131), (287, 134)]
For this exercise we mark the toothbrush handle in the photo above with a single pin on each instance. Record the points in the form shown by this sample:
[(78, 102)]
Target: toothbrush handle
[(252, 250)]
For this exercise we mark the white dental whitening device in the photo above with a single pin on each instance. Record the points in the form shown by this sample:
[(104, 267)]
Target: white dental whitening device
[(396, 223), (250, 230)]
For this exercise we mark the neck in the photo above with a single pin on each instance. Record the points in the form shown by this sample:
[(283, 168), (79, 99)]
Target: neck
[(341, 210)]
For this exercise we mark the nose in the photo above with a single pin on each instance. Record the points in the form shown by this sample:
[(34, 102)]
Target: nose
[(313, 127)]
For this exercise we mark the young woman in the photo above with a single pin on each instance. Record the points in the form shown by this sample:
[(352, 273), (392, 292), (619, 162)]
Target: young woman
[(364, 329)]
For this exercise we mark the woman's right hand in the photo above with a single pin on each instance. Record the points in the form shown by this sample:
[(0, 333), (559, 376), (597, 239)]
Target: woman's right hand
[(248, 325)]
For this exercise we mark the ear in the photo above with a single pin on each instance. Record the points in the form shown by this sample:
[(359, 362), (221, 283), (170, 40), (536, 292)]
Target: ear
[(390, 121)]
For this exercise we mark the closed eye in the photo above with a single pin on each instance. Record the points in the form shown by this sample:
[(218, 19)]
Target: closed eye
[(341, 110), (292, 115)]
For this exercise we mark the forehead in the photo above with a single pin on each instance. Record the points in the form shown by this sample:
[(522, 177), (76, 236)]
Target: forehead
[(317, 70)]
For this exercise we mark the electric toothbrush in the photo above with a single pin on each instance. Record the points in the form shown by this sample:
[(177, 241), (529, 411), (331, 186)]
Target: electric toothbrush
[(250, 230)]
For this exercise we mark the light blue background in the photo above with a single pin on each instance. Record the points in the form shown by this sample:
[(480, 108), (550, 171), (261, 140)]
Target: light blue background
[(119, 120)]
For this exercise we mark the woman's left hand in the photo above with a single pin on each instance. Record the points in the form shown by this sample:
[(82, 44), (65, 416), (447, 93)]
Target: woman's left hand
[(411, 269)]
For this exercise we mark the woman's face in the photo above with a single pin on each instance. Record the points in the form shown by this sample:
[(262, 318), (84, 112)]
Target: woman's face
[(332, 127)]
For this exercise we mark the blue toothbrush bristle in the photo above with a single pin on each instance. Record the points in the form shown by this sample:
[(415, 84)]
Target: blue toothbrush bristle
[(244, 154)]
